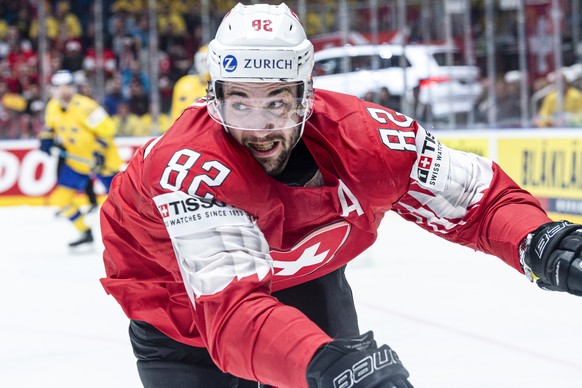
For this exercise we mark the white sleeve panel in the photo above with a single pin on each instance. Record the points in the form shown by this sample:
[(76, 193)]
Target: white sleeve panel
[(214, 243), (96, 117), (446, 184)]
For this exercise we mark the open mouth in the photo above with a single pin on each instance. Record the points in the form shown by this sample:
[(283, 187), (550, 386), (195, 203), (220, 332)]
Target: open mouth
[(265, 148)]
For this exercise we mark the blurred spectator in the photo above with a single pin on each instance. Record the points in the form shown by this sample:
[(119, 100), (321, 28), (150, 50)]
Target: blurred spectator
[(127, 55), (421, 111), (508, 100), (128, 124), (113, 95), (180, 62), (22, 22), (138, 101), (118, 6), (149, 128), (120, 23), (66, 18), (386, 99), (73, 56), (12, 107), (120, 41), (51, 26), (21, 77), (171, 27), (131, 74), (193, 38), (109, 65), (369, 96), (548, 115), (34, 111), (20, 50), (140, 32), (483, 103), (4, 46), (88, 37), (64, 36), (165, 83), (323, 19), (81, 8), (9, 10)]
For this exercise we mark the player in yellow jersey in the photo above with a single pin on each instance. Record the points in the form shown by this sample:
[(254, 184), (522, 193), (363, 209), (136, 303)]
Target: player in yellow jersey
[(85, 133), (191, 87)]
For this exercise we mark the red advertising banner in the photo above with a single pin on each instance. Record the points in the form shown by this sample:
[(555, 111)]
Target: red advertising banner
[(28, 176)]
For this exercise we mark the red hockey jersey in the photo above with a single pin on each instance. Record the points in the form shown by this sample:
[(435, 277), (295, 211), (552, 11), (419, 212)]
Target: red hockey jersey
[(197, 235)]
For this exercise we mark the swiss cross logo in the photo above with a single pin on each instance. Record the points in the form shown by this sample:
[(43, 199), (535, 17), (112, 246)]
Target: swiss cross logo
[(164, 211), (312, 252), (425, 162)]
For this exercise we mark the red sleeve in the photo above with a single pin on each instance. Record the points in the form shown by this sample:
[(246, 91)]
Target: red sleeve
[(250, 334), (507, 215), (469, 200)]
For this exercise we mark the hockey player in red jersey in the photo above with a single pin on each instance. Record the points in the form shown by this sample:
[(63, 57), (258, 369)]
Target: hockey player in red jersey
[(226, 238)]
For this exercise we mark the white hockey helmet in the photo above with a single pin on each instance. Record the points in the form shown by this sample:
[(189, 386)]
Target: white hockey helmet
[(260, 43), (62, 77)]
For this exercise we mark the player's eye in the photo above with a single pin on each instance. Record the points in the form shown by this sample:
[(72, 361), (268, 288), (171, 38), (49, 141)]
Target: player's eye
[(275, 104), (239, 106)]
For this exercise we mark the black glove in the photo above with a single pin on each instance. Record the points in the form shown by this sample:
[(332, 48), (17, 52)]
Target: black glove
[(46, 145), (356, 362), (551, 257), (98, 161)]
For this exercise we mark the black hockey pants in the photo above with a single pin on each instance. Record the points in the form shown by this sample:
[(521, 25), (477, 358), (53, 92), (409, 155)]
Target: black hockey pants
[(165, 363)]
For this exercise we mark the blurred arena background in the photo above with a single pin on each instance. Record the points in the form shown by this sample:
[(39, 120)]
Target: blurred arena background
[(129, 55)]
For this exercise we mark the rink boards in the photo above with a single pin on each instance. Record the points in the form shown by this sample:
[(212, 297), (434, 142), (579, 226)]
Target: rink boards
[(546, 162)]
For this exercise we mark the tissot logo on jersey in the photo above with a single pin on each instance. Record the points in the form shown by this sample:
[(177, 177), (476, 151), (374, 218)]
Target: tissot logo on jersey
[(430, 163), (179, 211), (191, 204)]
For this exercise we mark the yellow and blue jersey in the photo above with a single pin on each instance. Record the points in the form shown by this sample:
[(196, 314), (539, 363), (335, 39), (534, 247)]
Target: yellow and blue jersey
[(83, 128)]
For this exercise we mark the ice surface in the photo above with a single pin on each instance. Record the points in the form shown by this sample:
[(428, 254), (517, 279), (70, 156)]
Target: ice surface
[(457, 318)]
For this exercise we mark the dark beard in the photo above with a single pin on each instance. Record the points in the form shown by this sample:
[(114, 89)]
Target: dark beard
[(276, 166)]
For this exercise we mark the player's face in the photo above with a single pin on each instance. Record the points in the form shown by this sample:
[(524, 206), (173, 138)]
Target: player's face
[(64, 93), (271, 109)]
